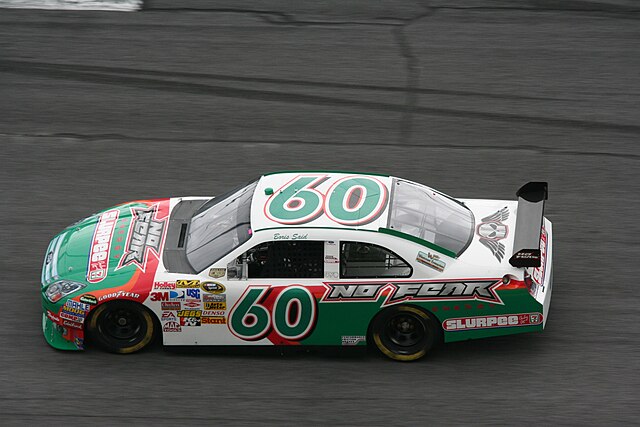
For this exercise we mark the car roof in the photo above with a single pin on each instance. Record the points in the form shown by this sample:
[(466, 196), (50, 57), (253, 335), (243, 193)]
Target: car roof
[(327, 195)]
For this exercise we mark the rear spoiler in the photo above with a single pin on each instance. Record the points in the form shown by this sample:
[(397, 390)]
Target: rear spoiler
[(526, 244)]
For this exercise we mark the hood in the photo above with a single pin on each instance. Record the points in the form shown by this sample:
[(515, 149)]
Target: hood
[(106, 249), (494, 231)]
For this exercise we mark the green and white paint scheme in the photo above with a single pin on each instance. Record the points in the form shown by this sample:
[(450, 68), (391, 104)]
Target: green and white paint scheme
[(472, 290)]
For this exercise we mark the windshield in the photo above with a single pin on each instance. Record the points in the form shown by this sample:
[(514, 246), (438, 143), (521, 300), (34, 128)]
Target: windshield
[(425, 213), (220, 226)]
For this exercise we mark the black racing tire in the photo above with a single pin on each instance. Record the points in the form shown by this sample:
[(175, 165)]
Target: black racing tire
[(121, 327), (405, 333)]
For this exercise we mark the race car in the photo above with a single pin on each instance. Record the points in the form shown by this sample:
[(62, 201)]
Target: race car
[(302, 258)]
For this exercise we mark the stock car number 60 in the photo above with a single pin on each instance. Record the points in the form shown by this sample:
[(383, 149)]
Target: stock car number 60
[(349, 201), (292, 317)]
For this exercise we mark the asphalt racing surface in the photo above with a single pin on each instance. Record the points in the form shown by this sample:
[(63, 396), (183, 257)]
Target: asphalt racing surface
[(97, 108)]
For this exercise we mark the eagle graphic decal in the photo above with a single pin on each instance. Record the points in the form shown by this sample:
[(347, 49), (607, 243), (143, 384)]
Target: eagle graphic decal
[(491, 230)]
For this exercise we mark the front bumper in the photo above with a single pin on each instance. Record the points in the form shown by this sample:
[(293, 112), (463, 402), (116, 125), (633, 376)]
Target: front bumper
[(60, 337)]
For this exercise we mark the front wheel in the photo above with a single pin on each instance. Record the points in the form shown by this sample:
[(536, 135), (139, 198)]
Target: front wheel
[(121, 327), (404, 333)]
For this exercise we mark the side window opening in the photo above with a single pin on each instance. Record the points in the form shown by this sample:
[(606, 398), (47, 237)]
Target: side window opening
[(285, 259), (365, 260)]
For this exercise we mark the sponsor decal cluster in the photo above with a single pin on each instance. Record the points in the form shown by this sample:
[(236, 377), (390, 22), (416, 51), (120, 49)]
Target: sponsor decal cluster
[(349, 340), (170, 322), (458, 290), (492, 229), (489, 322), (208, 287), (431, 260), (74, 311), (145, 237), (118, 295), (100, 246)]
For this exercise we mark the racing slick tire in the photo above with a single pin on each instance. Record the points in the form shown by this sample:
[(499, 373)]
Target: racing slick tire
[(121, 327), (405, 333)]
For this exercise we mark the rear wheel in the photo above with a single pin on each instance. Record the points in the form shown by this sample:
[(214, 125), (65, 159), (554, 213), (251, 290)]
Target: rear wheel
[(121, 327), (405, 333)]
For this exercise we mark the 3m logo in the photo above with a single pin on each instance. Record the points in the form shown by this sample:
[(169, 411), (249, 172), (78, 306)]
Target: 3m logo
[(159, 296)]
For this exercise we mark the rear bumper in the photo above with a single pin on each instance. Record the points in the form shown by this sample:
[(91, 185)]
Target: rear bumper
[(544, 277)]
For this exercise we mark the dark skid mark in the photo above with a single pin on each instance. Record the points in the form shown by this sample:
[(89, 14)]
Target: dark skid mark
[(49, 71), (291, 82)]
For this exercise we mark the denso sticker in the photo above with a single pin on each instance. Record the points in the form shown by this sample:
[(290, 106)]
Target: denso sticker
[(164, 286), (213, 313), (488, 322), (171, 327), (146, 234), (100, 246), (215, 305), (214, 320), (170, 305)]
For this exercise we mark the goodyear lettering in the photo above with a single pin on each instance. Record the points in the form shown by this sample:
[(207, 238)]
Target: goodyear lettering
[(119, 294)]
